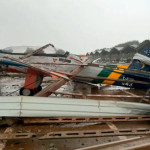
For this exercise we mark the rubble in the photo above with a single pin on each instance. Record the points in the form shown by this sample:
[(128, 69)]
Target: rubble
[(67, 110)]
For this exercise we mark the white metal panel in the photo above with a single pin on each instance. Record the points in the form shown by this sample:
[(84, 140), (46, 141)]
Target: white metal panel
[(41, 106), (9, 106), (51, 100), (9, 113), (8, 99), (133, 105), (31, 113), (108, 103), (34, 106)]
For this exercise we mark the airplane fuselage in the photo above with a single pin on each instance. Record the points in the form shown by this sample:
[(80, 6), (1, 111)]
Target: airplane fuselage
[(50, 62)]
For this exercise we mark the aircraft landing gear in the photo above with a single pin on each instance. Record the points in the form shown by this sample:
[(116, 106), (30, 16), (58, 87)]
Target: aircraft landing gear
[(26, 92), (29, 92)]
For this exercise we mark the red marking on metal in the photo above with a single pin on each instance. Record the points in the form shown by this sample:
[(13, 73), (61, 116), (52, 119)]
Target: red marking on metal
[(83, 55), (12, 70), (56, 77), (75, 59), (30, 80), (54, 59)]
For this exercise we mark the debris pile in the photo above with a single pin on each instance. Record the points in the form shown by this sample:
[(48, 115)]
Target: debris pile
[(92, 114)]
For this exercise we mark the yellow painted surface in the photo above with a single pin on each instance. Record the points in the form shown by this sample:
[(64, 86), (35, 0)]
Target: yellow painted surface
[(115, 75)]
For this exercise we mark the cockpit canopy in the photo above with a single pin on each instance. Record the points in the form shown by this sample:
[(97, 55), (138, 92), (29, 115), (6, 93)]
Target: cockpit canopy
[(22, 50)]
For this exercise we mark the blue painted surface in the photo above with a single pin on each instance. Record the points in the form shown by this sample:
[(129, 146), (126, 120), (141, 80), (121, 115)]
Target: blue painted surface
[(137, 65), (12, 63), (145, 52)]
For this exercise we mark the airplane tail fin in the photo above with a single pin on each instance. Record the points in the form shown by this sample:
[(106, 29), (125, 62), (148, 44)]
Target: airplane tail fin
[(139, 68), (141, 60)]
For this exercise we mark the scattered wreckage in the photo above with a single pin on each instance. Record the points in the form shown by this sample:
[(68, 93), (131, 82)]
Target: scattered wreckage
[(37, 108)]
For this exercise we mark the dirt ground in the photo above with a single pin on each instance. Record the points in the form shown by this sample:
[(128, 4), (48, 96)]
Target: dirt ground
[(9, 86)]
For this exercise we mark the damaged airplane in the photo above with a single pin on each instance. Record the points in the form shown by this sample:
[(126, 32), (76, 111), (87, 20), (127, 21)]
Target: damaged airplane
[(37, 66)]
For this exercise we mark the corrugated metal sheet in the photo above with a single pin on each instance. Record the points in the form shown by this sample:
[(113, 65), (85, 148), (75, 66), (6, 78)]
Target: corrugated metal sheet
[(47, 106)]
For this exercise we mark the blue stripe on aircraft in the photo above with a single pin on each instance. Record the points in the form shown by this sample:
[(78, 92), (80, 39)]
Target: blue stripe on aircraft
[(12, 63), (137, 65)]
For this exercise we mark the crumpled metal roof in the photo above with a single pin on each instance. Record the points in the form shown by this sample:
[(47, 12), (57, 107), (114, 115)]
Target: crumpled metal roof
[(47, 106)]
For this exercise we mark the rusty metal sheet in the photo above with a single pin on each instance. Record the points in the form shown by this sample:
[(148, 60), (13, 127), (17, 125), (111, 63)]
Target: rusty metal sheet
[(75, 134), (14, 136), (96, 133), (86, 119)]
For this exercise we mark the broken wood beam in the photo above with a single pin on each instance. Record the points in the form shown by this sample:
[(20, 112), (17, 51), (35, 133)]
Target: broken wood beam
[(101, 95), (85, 119), (56, 85), (35, 51), (52, 87), (118, 143), (96, 133)]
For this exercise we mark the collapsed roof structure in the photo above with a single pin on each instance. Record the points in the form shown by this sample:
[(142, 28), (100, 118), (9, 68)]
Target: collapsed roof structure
[(43, 109)]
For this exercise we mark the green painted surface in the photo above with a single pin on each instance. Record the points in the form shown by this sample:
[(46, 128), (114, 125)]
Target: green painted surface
[(104, 73)]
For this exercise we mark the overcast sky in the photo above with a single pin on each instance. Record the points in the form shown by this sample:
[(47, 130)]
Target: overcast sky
[(78, 26)]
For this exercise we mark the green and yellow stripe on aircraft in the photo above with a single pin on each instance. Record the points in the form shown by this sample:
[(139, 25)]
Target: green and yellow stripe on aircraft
[(111, 72)]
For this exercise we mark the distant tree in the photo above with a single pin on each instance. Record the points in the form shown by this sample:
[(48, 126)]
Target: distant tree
[(104, 55), (114, 54), (127, 53), (134, 42)]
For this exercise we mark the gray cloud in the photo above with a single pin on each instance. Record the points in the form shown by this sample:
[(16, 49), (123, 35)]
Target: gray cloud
[(77, 26)]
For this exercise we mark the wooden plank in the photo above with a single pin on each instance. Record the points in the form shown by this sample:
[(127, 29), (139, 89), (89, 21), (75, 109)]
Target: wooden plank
[(35, 51), (13, 136), (145, 99), (114, 127), (85, 119), (54, 86), (128, 144), (96, 133), (102, 95), (138, 146), (109, 145), (3, 142)]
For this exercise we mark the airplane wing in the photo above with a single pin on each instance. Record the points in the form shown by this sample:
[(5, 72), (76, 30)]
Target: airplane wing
[(40, 70)]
